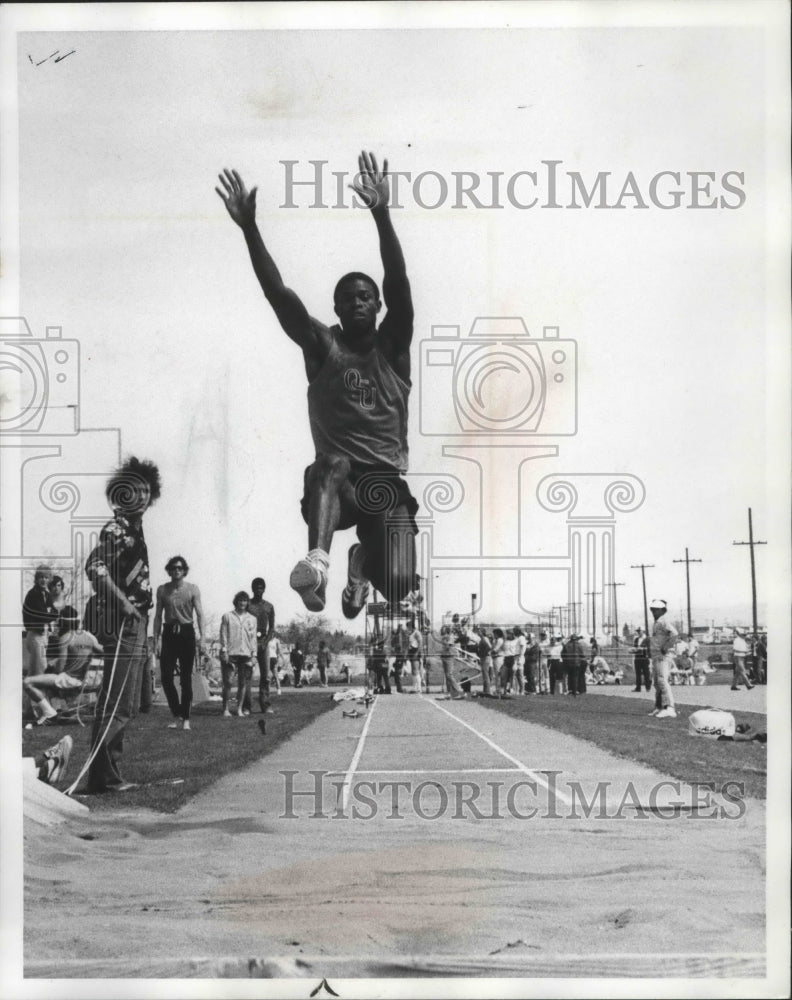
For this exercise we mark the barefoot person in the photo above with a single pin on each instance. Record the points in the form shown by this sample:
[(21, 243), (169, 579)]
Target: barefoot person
[(358, 387), (238, 646), (178, 607)]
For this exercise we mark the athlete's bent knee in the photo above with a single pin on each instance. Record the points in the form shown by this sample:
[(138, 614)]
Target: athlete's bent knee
[(330, 468)]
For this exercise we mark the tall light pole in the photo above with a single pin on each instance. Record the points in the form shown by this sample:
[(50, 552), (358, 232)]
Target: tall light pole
[(615, 609), (687, 561), (643, 567), (752, 543), (595, 594)]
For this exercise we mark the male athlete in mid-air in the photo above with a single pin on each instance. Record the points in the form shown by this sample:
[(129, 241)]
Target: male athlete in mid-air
[(358, 387)]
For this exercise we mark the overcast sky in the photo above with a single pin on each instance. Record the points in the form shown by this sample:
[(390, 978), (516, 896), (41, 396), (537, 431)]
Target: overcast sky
[(125, 245)]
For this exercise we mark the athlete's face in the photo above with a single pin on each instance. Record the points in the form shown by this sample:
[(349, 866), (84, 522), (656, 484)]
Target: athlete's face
[(357, 306)]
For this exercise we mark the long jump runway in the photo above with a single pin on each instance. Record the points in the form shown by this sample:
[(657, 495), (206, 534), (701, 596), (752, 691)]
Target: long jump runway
[(424, 837)]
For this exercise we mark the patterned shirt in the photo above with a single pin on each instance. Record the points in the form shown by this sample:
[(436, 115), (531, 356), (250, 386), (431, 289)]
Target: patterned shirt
[(122, 556)]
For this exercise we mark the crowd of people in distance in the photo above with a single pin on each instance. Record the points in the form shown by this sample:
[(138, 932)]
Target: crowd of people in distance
[(515, 661)]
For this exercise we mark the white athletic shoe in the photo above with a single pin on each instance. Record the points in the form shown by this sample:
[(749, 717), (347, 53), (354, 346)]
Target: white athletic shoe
[(667, 713), (655, 712), (56, 760), (357, 589), (310, 582)]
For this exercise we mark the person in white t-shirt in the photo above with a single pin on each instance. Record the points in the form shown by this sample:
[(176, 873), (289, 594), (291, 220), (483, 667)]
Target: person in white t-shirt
[(556, 666), (739, 653), (273, 660)]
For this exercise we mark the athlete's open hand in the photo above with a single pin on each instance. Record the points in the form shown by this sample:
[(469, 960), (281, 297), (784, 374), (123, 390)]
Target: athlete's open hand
[(240, 202), (371, 184)]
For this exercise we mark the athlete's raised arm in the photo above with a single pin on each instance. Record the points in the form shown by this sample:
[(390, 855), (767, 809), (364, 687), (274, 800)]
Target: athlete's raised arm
[(373, 188), (288, 307)]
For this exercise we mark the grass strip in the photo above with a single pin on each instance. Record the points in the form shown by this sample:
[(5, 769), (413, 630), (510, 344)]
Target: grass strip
[(622, 727), (154, 755)]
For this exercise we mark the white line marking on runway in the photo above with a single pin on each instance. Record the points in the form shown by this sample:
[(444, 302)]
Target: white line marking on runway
[(345, 789), (518, 763)]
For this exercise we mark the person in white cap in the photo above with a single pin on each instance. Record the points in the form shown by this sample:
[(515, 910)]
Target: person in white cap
[(661, 649), (739, 652)]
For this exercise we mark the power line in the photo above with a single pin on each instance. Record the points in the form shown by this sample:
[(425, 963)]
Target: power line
[(687, 561), (643, 567), (752, 543), (615, 609), (593, 593)]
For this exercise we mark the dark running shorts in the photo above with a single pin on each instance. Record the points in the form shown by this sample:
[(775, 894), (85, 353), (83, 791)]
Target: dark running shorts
[(377, 493)]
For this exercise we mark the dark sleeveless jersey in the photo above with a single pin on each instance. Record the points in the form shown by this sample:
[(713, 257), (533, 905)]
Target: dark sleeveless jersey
[(357, 406)]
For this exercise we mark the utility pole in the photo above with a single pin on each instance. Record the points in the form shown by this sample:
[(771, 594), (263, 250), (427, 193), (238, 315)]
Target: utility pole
[(559, 608), (752, 543), (473, 599), (615, 610), (643, 567), (573, 616), (594, 594), (687, 561)]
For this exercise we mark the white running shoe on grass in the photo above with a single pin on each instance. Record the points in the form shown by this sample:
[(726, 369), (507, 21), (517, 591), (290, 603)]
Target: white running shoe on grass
[(667, 713), (357, 589)]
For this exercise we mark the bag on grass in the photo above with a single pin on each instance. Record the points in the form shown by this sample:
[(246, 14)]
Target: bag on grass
[(201, 691), (712, 722)]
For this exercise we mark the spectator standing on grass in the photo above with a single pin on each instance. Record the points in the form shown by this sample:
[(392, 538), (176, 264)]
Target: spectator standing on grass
[(178, 608), (543, 685), (117, 614), (761, 659), (507, 670), (398, 646), (37, 614), (641, 660), (414, 654), (379, 666), (498, 645), (238, 645), (323, 660), (532, 659), (484, 651), (297, 660), (661, 647), (556, 665), (739, 653), (273, 661), (448, 655), (521, 668), (264, 613), (573, 656)]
